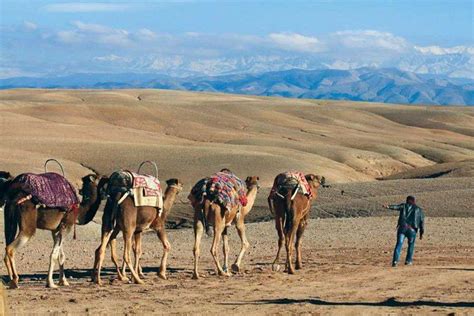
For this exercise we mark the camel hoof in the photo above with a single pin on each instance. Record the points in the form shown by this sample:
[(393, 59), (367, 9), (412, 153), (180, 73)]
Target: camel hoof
[(235, 268), (162, 276), (64, 283), (276, 267), (51, 286), (196, 276), (299, 267), (123, 278), (13, 284), (291, 271), (224, 274), (139, 281), (142, 276)]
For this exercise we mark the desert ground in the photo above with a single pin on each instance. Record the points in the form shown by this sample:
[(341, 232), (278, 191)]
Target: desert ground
[(375, 153)]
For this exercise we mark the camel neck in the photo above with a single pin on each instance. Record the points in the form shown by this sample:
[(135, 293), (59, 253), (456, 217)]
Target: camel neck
[(88, 208), (168, 201), (251, 196)]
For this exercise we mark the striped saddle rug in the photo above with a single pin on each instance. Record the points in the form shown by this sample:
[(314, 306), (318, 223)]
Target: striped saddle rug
[(289, 181), (224, 188)]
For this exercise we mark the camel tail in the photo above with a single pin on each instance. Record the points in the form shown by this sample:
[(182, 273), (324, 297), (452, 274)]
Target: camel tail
[(288, 211), (205, 212), (11, 218)]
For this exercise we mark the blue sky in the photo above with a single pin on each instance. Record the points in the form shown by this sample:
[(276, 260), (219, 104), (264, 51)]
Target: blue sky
[(52, 37)]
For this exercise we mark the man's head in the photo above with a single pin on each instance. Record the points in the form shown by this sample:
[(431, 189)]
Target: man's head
[(411, 199), (226, 170)]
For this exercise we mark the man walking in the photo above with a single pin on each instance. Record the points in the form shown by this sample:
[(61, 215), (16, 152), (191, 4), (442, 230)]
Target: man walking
[(411, 220)]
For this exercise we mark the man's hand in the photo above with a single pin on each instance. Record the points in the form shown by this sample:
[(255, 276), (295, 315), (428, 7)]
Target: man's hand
[(385, 205)]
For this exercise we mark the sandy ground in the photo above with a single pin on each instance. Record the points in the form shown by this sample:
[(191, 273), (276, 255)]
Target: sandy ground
[(346, 270)]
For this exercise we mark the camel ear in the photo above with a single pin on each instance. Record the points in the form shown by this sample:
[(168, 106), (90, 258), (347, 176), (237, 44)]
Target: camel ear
[(172, 181), (309, 177), (248, 179), (258, 178), (323, 180)]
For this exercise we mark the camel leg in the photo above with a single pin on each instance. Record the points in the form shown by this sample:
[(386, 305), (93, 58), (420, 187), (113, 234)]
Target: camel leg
[(57, 236), (137, 250), (62, 259), (113, 256), (289, 243), (198, 231), (100, 256), (218, 229), (240, 226), (225, 249), (299, 238), (10, 249), (166, 250), (127, 236), (281, 241)]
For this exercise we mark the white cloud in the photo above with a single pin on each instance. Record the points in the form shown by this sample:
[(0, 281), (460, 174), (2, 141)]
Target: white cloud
[(111, 58), (77, 7), (30, 26), (95, 33), (367, 39), (297, 42), (146, 34)]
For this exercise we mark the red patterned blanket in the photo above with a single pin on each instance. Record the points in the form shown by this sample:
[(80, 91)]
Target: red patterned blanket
[(50, 189)]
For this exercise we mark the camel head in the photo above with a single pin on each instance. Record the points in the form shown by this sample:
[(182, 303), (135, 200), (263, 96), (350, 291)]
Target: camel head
[(5, 180), (175, 183), (252, 181), (93, 187), (315, 181)]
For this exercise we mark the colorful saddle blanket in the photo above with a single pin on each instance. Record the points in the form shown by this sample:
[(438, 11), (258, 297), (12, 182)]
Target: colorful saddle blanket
[(145, 189), (49, 189), (222, 187), (291, 180)]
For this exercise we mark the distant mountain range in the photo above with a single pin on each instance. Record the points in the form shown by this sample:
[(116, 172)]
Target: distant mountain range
[(364, 84)]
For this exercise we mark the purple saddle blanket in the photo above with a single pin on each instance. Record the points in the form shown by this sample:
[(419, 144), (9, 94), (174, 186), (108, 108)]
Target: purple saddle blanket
[(50, 189)]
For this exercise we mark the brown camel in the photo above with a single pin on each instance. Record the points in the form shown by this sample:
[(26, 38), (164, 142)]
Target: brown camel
[(28, 217), (221, 218), (133, 221), (291, 208)]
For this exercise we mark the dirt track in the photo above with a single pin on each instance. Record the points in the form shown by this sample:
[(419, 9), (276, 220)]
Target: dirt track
[(346, 270)]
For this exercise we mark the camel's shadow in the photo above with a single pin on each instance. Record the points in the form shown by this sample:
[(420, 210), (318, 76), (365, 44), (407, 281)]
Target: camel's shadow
[(86, 274), (390, 302)]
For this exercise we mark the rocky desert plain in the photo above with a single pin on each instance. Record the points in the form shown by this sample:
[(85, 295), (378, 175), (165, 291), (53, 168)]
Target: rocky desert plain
[(375, 153)]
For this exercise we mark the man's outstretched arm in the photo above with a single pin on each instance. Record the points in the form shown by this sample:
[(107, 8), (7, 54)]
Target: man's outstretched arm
[(395, 207)]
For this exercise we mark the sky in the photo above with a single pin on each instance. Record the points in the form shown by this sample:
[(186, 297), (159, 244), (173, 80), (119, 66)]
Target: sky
[(189, 37)]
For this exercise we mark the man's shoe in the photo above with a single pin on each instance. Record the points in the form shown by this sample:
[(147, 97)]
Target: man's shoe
[(394, 264), (409, 263)]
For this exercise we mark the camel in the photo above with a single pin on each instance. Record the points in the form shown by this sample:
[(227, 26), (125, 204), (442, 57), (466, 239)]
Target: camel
[(5, 178), (221, 218), (20, 212), (291, 209), (133, 221)]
